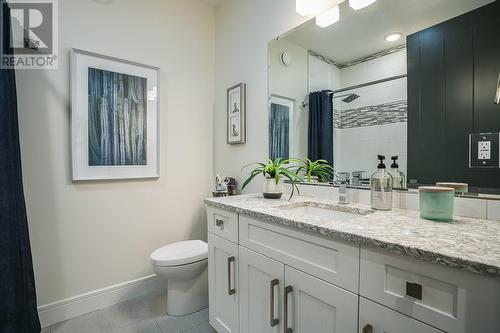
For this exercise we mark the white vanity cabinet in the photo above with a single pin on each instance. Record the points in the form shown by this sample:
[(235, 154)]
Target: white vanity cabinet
[(313, 305), (275, 297), (223, 284), (265, 277), (261, 291), (374, 318)]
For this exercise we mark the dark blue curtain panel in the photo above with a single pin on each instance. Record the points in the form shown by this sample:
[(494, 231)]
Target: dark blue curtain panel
[(18, 309)]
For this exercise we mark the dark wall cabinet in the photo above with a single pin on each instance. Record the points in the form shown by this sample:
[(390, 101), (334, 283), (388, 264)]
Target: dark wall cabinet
[(453, 70)]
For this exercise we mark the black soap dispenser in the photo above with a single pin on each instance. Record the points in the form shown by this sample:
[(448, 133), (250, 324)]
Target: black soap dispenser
[(381, 187), (398, 177)]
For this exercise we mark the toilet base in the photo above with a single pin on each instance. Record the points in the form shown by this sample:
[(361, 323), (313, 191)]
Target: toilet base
[(187, 296)]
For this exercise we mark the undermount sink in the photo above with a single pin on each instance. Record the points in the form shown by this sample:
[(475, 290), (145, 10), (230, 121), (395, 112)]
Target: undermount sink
[(331, 212)]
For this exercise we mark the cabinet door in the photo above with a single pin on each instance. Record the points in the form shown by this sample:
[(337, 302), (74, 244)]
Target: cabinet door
[(374, 318), (313, 305), (223, 284), (261, 283)]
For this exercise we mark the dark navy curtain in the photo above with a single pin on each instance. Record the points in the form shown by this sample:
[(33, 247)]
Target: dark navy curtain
[(320, 135), (18, 310), (279, 131)]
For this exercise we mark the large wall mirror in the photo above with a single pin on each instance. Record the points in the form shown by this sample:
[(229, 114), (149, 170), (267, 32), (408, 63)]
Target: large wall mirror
[(391, 80)]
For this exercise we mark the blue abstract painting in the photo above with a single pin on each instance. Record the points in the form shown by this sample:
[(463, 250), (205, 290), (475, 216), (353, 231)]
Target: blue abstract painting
[(117, 119)]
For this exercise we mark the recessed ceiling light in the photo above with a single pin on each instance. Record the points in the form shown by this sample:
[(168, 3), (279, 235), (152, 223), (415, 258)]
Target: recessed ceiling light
[(358, 4), (329, 17), (393, 37)]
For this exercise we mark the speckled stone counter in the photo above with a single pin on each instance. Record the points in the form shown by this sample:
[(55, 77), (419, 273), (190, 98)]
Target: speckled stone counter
[(468, 244)]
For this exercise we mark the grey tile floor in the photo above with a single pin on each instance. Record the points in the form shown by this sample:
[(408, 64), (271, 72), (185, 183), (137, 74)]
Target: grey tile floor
[(143, 315)]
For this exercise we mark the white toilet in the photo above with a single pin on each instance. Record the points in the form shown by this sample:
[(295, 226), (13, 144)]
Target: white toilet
[(183, 266)]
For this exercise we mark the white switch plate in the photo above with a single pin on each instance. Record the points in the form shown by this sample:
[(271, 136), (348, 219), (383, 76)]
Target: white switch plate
[(484, 150)]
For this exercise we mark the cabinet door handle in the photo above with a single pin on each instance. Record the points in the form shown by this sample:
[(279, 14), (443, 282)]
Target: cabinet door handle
[(274, 321), (368, 329), (219, 223), (288, 290), (230, 291)]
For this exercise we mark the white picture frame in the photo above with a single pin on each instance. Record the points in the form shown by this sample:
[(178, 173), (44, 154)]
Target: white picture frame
[(114, 118)]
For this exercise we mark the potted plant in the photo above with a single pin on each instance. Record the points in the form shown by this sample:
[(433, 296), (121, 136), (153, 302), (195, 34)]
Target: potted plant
[(318, 170), (275, 172)]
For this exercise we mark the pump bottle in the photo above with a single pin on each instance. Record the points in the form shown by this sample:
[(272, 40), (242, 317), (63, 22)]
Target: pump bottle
[(381, 187), (398, 177)]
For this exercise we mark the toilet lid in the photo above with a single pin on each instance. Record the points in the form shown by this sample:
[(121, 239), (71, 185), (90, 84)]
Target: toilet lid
[(180, 253)]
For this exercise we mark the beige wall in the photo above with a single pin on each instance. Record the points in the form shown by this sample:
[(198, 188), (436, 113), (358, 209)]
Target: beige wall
[(243, 30), (91, 235)]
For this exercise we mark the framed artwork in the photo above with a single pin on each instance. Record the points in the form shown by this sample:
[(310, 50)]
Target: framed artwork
[(114, 118), (236, 114)]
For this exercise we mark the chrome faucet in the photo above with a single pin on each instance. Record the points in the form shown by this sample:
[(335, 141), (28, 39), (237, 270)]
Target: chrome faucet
[(343, 190), (357, 178)]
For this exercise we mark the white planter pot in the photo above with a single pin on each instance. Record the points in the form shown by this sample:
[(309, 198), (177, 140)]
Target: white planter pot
[(271, 189), (314, 179)]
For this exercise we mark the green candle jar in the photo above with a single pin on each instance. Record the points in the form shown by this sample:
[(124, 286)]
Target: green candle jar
[(436, 203)]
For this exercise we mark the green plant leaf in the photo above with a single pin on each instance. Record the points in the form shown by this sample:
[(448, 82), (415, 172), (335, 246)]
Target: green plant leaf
[(250, 178)]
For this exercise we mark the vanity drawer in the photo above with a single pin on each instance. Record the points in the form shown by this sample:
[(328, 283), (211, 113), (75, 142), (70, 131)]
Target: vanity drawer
[(446, 298), (223, 223), (332, 261)]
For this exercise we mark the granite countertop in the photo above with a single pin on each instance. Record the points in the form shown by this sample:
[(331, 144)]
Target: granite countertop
[(468, 244)]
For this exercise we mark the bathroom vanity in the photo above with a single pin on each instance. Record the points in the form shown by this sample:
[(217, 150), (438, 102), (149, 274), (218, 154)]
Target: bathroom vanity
[(311, 265)]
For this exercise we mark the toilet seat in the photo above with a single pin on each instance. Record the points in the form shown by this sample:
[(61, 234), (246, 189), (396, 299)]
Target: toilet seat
[(181, 253)]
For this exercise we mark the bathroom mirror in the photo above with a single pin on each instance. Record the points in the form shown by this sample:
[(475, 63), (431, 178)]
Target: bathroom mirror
[(340, 93)]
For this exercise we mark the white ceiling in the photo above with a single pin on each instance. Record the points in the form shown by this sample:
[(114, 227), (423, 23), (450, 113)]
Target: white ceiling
[(361, 33), (212, 2)]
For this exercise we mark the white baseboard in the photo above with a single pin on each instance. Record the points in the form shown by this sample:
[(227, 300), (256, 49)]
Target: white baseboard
[(65, 309)]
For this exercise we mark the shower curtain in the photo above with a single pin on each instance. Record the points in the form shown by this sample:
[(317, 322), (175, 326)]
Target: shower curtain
[(320, 135), (18, 310), (279, 131)]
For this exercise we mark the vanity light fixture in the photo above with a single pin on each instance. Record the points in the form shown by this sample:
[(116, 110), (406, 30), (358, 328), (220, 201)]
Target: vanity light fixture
[(393, 37), (358, 4), (329, 17)]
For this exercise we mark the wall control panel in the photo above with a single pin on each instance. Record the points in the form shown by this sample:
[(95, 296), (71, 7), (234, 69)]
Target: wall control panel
[(484, 150)]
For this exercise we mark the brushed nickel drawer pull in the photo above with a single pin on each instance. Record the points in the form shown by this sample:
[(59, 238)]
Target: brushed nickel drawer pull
[(274, 321), (368, 329), (288, 290), (414, 290), (230, 291)]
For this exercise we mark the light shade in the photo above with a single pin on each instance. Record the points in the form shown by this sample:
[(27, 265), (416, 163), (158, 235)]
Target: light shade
[(393, 37), (329, 17), (358, 4), (314, 7)]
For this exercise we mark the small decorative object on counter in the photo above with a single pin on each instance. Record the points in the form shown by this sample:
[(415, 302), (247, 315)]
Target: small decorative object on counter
[(436, 203), (220, 188), (274, 173), (232, 185), (381, 187), (398, 177), (459, 187)]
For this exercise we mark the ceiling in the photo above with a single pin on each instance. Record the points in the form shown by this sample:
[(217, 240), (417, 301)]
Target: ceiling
[(212, 2), (362, 33)]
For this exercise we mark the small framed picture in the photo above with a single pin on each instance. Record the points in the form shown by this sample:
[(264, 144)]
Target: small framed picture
[(236, 114)]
